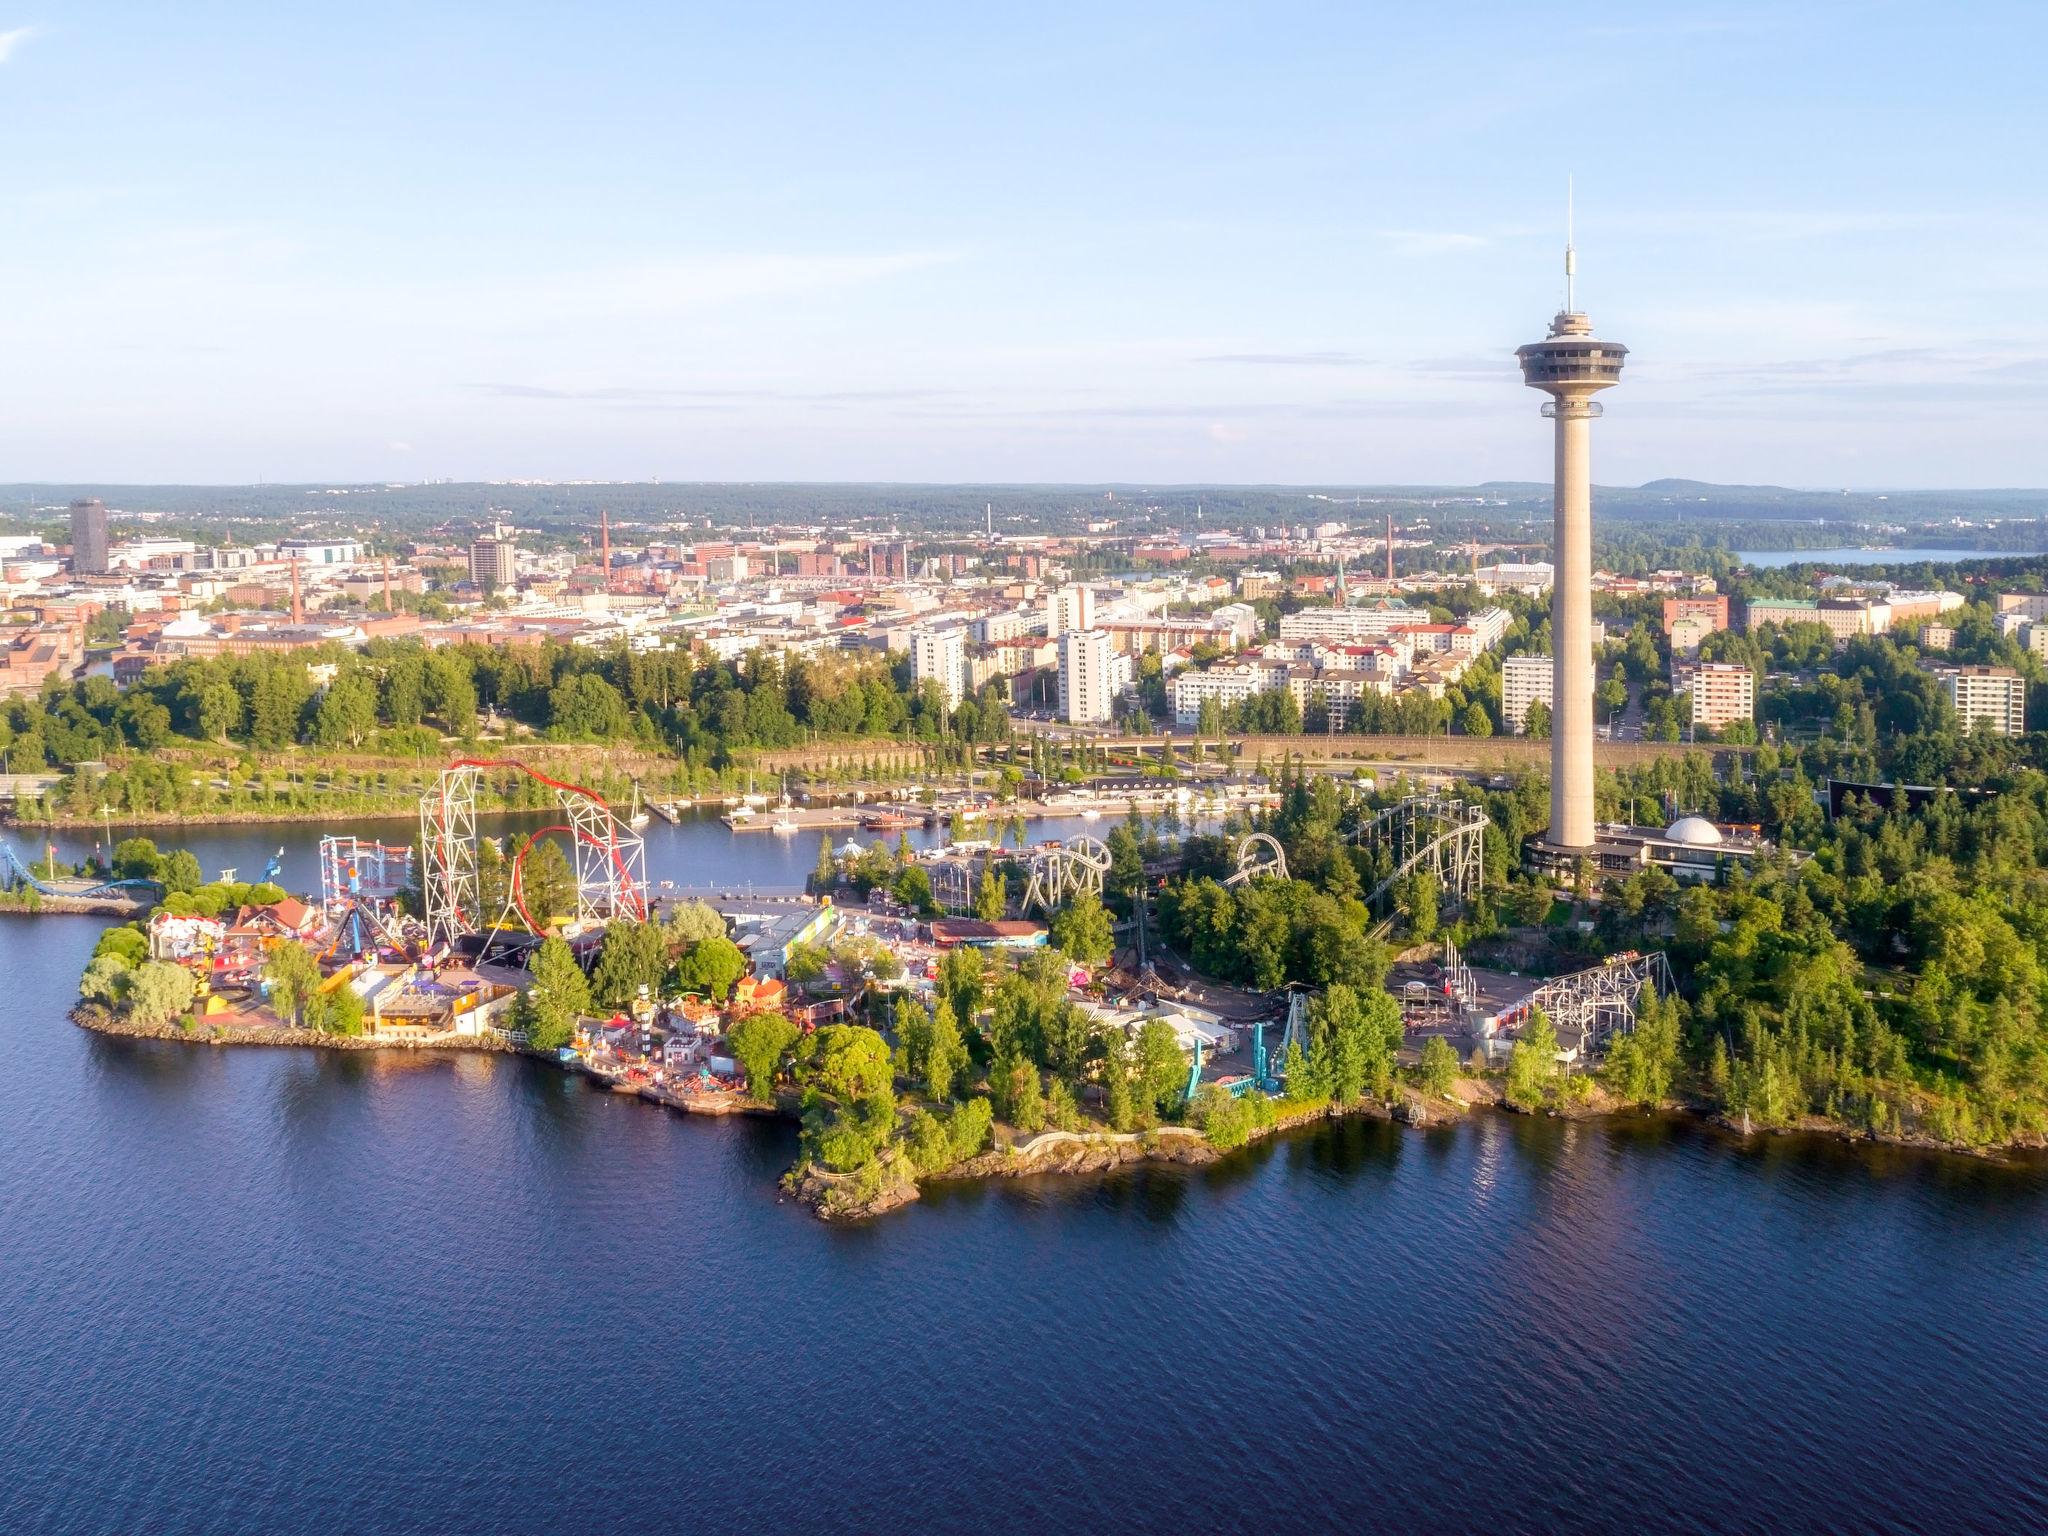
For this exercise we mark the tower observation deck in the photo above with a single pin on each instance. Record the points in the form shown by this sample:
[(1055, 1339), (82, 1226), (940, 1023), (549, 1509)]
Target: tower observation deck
[(1571, 365)]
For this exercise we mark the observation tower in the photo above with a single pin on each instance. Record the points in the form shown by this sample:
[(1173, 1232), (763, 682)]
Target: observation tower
[(1571, 365)]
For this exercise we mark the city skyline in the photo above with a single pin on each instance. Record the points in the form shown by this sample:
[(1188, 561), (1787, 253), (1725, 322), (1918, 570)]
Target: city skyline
[(1148, 247)]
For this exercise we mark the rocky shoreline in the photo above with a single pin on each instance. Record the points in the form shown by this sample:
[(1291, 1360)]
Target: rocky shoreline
[(846, 1198), (93, 1017)]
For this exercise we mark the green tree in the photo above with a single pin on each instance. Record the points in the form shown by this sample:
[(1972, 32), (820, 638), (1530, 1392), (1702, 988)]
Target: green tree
[(711, 966), (293, 976), (347, 715), (105, 979), (825, 873), (913, 1036), (1081, 929), (181, 871), (1020, 1094), (849, 1095), (913, 887), (1439, 1068), (547, 883), (1532, 1064), (558, 998), (1062, 1113), (759, 1042), (1418, 898), (991, 895), (337, 1012), (137, 858), (158, 993), (692, 922), (1162, 1066), (963, 980), (946, 1056), (634, 955)]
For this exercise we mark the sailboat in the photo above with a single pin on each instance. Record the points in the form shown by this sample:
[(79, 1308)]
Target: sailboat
[(638, 818), (785, 814)]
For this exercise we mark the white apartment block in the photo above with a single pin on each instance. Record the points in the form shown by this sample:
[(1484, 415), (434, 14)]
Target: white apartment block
[(1069, 607), (2028, 605), (1227, 685), (1342, 624), (1687, 633), (1997, 695), (1340, 691), (1486, 629), (1526, 680), (1722, 693), (939, 655), (1009, 624), (1088, 683)]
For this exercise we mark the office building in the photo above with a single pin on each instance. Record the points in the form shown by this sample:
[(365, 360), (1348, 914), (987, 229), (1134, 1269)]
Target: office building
[(494, 560), (89, 538)]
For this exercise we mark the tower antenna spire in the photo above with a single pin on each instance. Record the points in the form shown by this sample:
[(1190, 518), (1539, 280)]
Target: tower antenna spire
[(1571, 255)]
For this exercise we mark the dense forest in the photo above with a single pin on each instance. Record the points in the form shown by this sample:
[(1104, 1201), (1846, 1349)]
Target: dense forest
[(1885, 970), (400, 699)]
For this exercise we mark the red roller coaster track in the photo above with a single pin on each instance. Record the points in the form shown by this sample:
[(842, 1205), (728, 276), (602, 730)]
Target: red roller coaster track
[(635, 898)]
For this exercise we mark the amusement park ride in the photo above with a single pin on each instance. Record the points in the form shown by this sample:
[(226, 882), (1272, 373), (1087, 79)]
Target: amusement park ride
[(608, 856), (15, 873), (359, 886)]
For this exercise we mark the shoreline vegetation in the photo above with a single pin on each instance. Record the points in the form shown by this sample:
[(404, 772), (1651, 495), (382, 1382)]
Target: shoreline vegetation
[(849, 1196)]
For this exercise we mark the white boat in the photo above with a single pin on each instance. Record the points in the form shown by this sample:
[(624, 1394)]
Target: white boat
[(637, 818)]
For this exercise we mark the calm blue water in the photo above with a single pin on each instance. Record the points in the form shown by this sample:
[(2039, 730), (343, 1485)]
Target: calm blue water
[(1850, 555), (281, 1292)]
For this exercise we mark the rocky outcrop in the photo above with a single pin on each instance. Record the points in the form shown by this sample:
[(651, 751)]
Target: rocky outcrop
[(190, 1032)]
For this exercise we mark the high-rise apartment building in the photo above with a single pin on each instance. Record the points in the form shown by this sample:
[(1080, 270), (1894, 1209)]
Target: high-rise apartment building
[(1525, 680), (939, 654), (1069, 607), (1996, 696), (89, 538), (1087, 676), (1723, 692), (494, 560)]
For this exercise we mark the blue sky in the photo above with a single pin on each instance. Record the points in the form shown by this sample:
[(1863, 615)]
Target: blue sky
[(1271, 243)]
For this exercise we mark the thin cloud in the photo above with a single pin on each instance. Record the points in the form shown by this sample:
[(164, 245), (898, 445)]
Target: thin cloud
[(12, 40), (1430, 242), (683, 287), (696, 396), (1292, 359)]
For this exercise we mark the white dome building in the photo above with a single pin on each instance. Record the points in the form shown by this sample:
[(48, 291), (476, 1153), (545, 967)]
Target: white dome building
[(1694, 832)]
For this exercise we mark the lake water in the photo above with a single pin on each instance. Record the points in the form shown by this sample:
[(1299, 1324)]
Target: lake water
[(699, 853), (1771, 559), (279, 1291)]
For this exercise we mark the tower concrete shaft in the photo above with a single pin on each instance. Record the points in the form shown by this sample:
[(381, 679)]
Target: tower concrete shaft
[(1571, 366)]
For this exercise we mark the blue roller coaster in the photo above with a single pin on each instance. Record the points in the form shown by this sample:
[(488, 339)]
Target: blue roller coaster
[(15, 874)]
